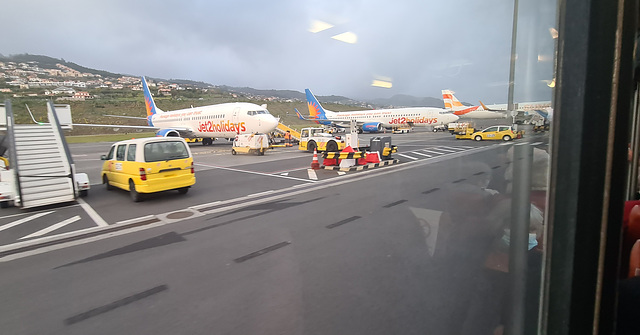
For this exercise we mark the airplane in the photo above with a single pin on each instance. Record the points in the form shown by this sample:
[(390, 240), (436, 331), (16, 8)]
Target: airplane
[(452, 104), (224, 120), (540, 108), (375, 120)]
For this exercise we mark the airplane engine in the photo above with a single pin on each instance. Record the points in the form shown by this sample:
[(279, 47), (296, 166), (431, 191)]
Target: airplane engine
[(372, 127), (167, 133)]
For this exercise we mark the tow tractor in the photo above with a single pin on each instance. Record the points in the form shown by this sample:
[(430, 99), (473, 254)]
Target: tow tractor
[(318, 139)]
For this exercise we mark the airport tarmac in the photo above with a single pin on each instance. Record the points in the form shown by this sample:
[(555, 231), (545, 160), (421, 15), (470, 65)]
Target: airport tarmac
[(259, 245)]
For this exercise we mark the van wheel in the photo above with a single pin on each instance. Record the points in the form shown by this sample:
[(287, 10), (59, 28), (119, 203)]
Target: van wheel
[(84, 193), (183, 190), (233, 151), (135, 196), (105, 181), (4, 204), (478, 138)]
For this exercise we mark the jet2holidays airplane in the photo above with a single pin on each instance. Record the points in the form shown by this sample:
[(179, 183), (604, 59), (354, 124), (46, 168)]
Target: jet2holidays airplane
[(224, 120), (375, 120)]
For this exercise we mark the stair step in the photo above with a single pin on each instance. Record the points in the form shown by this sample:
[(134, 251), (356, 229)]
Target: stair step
[(34, 182), (28, 203), (63, 185), (40, 160)]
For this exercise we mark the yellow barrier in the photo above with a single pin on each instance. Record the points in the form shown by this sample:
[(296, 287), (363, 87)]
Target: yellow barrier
[(342, 155)]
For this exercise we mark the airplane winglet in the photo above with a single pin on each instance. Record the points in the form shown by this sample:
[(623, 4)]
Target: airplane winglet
[(483, 106)]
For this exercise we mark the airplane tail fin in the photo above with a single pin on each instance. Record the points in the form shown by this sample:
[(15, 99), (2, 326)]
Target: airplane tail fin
[(300, 115), (148, 100), (315, 108), (450, 101)]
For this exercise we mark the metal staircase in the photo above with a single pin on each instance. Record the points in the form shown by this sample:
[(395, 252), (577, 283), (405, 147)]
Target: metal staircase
[(282, 128), (41, 161)]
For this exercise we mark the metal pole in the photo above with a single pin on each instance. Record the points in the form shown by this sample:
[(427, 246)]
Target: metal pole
[(519, 239), (512, 64)]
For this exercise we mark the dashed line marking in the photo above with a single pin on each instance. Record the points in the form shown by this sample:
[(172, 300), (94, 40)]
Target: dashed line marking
[(312, 174), (53, 227), (445, 150), (114, 305), (421, 154), (261, 252), (433, 152), (340, 223), (454, 148), (405, 156), (21, 221)]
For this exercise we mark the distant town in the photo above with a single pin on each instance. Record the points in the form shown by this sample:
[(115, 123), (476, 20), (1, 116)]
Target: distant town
[(30, 79), (25, 76)]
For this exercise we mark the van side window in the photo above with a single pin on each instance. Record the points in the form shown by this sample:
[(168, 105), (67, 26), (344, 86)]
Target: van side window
[(120, 152), (111, 151), (131, 152)]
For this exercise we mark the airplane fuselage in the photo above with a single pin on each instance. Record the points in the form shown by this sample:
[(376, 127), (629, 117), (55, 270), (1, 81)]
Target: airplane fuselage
[(222, 120), (417, 116)]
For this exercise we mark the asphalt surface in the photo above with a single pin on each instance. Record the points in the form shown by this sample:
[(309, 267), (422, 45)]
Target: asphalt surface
[(260, 245)]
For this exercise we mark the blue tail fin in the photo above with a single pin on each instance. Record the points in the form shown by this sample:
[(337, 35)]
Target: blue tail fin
[(299, 115), (316, 110), (150, 105)]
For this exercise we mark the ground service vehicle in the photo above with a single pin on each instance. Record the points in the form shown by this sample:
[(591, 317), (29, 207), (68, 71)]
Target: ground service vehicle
[(251, 144), (317, 139), (504, 133), (401, 130), (148, 165)]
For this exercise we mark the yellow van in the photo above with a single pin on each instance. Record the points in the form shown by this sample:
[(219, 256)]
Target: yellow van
[(147, 165)]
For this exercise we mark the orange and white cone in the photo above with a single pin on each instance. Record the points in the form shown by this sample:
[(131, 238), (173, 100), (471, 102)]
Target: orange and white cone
[(315, 165)]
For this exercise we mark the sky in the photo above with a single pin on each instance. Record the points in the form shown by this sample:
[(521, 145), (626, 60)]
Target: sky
[(419, 46)]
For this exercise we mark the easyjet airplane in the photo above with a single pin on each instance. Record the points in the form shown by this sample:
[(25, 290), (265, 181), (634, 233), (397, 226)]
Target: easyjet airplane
[(207, 122), (375, 120)]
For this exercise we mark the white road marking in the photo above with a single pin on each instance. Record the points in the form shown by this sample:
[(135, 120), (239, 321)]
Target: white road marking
[(260, 193), (445, 150), (466, 147), (454, 148), (536, 143), (341, 173), (21, 221), (92, 213), (505, 143), (53, 227), (284, 174), (433, 152), (312, 174), (405, 156), (421, 154), (251, 172)]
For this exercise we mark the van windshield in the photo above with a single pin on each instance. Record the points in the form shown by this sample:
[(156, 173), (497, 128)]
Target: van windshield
[(163, 151)]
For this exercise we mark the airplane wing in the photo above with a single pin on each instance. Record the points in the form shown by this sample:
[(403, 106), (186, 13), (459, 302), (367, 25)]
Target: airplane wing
[(334, 122), (127, 117), (184, 132)]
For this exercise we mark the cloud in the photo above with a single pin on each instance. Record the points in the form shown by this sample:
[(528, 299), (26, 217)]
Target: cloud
[(423, 45)]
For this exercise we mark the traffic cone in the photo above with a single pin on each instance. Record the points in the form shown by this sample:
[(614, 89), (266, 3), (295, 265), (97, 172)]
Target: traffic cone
[(314, 164)]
